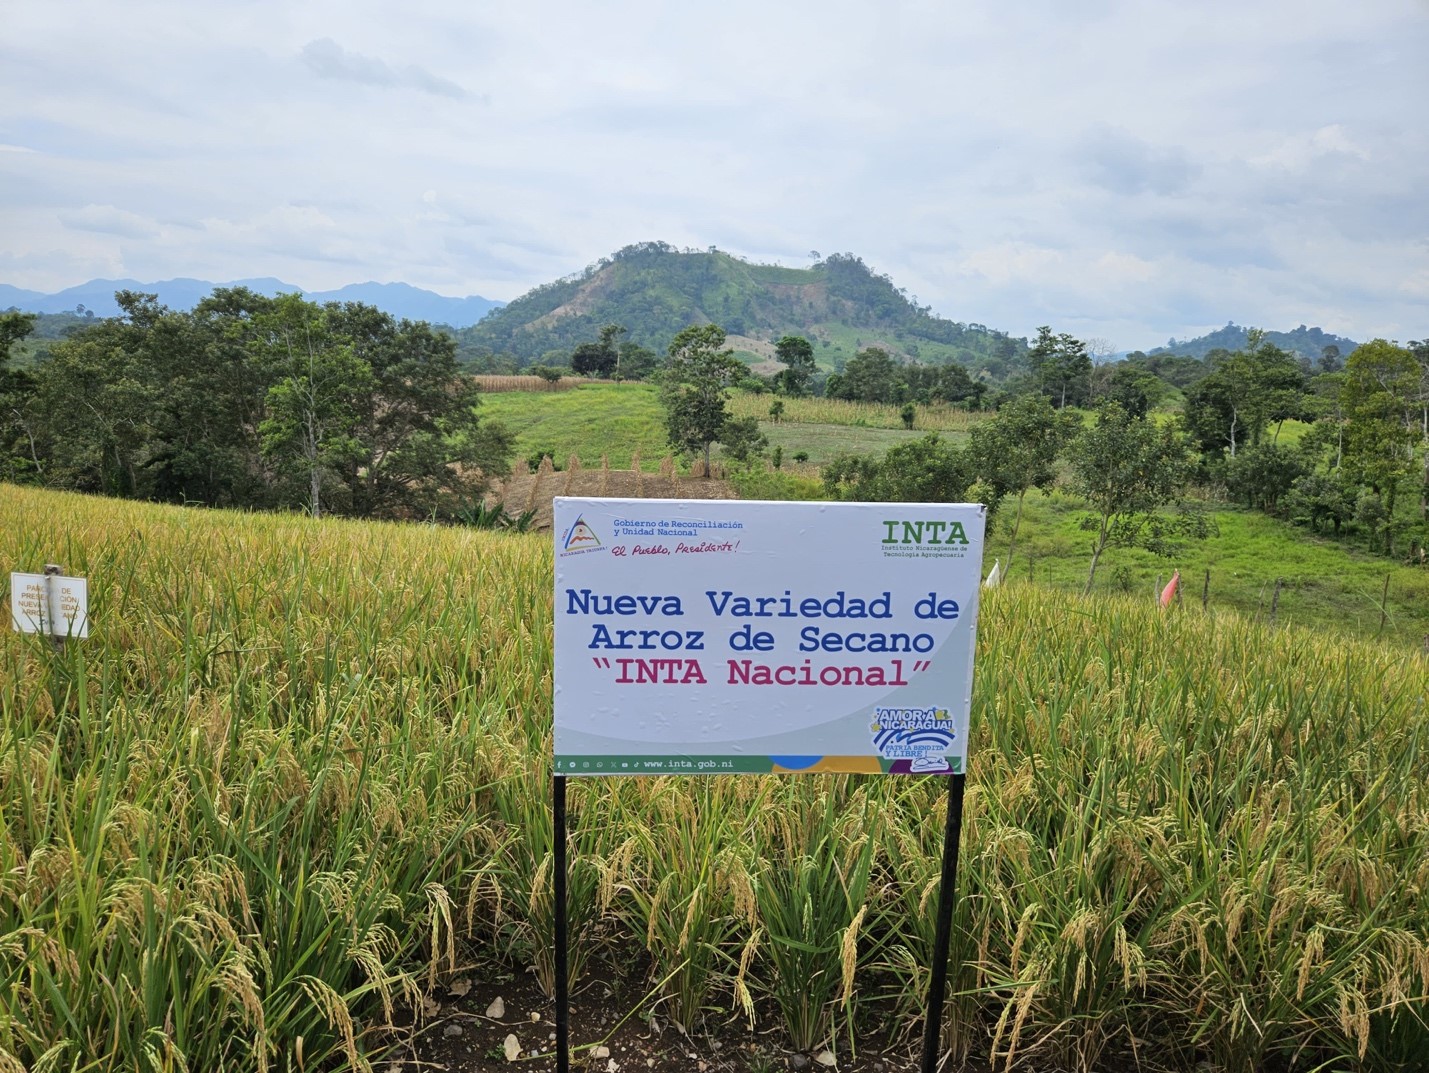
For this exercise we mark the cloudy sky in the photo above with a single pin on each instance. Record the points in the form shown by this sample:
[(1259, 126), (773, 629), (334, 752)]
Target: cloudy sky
[(1122, 170)]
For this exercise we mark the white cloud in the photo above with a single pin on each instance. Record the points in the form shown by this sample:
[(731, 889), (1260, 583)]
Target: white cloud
[(1300, 151), (327, 59), (109, 220), (1128, 170)]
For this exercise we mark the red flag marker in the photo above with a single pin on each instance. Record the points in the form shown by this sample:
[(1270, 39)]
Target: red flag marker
[(1169, 592)]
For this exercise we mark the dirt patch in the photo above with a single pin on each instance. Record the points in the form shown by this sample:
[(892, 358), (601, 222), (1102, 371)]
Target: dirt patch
[(583, 301), (751, 345), (613, 1029)]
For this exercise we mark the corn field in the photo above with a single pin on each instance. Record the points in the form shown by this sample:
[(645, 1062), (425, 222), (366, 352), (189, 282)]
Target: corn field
[(938, 417), (494, 382), (299, 772)]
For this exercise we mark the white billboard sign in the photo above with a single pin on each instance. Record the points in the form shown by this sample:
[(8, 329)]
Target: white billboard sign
[(706, 636), (49, 603)]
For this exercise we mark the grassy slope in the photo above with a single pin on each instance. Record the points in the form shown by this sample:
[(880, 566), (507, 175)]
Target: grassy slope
[(590, 420), (1327, 584)]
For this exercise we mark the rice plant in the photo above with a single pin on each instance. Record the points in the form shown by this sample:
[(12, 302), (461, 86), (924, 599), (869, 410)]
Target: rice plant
[(810, 888)]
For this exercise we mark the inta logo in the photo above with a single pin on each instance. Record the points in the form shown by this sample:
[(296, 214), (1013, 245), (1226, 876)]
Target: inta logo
[(924, 538), (579, 537)]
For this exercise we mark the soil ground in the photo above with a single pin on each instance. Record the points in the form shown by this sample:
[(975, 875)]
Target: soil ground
[(461, 1038)]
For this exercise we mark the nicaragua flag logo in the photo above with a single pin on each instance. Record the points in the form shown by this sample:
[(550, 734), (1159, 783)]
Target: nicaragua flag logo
[(580, 537)]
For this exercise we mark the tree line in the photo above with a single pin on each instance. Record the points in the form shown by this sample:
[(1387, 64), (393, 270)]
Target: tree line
[(1128, 469), (1367, 445), (251, 402), (1357, 467)]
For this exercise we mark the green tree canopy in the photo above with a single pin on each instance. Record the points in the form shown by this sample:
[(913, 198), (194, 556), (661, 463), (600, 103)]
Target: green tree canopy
[(1242, 394), (1018, 450), (870, 376), (17, 459), (1378, 398), (256, 402), (925, 470), (1062, 367), (694, 387), (797, 354), (1129, 470)]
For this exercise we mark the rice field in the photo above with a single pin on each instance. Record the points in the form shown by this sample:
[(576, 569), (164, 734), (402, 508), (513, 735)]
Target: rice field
[(298, 775)]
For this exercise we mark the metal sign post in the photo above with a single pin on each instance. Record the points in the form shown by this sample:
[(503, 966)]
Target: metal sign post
[(52, 600), (700, 637), (563, 999), (947, 897)]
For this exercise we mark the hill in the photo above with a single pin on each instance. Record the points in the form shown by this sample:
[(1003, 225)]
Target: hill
[(654, 290), (399, 299), (1307, 342)]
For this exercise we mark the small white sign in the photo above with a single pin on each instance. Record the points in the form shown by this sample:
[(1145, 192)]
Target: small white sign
[(49, 603)]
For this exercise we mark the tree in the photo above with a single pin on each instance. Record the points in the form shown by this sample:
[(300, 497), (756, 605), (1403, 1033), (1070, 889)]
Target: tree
[(1321, 497), (946, 383), (313, 406), (17, 455), (1262, 473), (1420, 351), (924, 470), (14, 326), (797, 354), (1062, 366), (741, 439), (1018, 449), (869, 376), (253, 401), (90, 412), (591, 359), (693, 388), (206, 445), (1134, 389), (600, 358), (1381, 427), (423, 448), (1244, 392), (1128, 470), (636, 362)]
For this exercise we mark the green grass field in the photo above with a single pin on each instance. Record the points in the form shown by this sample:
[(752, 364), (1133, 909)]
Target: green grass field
[(1326, 584), (298, 778), (590, 420)]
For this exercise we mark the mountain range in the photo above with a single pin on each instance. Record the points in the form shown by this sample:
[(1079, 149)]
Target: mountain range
[(399, 299), (1306, 342), (654, 290)]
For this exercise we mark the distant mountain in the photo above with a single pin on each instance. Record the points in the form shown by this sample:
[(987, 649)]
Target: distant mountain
[(1307, 342), (398, 299), (654, 290)]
